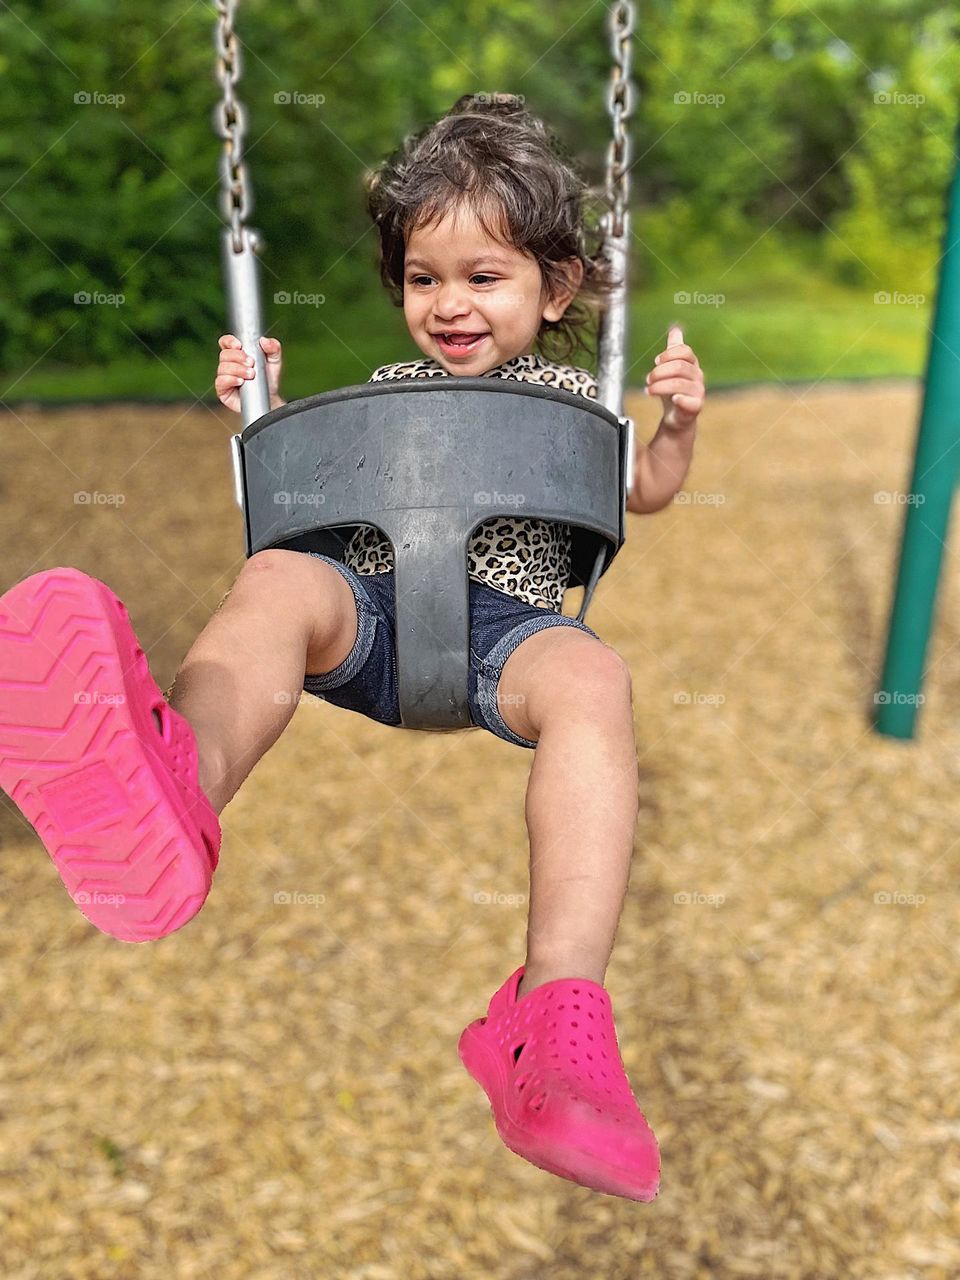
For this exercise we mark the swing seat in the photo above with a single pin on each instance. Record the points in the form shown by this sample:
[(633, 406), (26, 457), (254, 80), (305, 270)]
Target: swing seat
[(426, 461)]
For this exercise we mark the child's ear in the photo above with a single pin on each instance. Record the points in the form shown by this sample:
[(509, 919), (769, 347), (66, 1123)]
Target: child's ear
[(572, 269)]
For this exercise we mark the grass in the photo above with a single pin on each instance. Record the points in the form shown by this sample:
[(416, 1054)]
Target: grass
[(766, 324), (786, 323)]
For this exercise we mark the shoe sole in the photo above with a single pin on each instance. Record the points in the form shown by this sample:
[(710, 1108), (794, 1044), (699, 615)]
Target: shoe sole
[(597, 1175), (134, 842)]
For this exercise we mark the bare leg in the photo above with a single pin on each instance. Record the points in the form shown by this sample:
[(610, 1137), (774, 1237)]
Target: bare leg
[(572, 695), (239, 685)]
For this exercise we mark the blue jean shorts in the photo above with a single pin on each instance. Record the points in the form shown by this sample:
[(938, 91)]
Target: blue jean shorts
[(366, 680)]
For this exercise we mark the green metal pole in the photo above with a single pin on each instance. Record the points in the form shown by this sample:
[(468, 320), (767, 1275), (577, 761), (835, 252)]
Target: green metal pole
[(927, 514)]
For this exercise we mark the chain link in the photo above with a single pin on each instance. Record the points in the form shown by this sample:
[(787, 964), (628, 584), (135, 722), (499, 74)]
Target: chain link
[(230, 124), (621, 100)]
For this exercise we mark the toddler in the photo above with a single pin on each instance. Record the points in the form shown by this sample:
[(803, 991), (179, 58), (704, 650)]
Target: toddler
[(482, 242)]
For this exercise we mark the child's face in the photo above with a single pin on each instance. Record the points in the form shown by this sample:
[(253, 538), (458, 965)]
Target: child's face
[(457, 280)]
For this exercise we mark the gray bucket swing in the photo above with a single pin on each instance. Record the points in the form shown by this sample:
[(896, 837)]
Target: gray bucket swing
[(426, 461)]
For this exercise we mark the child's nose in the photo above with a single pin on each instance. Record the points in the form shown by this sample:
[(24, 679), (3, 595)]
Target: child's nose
[(452, 301)]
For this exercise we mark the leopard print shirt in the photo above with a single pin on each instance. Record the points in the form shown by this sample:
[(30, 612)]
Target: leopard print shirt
[(526, 558)]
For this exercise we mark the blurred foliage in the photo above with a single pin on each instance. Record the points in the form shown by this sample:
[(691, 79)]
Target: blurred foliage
[(764, 133)]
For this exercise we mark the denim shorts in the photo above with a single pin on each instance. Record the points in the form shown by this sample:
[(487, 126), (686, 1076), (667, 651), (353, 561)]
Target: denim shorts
[(366, 680)]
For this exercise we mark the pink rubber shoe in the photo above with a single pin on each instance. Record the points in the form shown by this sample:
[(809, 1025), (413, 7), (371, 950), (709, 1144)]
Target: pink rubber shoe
[(560, 1097), (113, 795)]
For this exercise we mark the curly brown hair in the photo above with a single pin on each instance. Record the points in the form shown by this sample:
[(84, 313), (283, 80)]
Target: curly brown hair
[(519, 180)]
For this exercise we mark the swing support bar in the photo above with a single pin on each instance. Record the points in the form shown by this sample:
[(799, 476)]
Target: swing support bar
[(241, 273), (927, 514)]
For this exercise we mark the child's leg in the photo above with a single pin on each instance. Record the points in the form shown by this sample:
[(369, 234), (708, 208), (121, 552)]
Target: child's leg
[(571, 694), (287, 614)]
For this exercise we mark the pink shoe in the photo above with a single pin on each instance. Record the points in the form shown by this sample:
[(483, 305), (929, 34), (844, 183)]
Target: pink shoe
[(551, 1067), (112, 794)]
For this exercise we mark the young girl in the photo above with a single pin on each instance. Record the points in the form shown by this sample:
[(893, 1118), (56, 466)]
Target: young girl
[(481, 235)]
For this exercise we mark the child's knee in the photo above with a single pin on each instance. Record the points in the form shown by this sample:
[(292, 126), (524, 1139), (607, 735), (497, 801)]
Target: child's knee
[(561, 671)]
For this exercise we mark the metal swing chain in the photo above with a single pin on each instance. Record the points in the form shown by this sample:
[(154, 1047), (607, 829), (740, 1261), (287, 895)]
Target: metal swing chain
[(240, 243), (621, 100), (230, 124), (621, 97)]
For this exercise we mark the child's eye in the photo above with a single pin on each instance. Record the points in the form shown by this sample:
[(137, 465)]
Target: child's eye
[(478, 276)]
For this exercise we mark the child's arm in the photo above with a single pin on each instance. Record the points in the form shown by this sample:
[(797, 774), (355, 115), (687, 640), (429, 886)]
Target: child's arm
[(660, 467)]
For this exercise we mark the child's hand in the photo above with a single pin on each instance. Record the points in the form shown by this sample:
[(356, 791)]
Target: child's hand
[(236, 367), (679, 379)]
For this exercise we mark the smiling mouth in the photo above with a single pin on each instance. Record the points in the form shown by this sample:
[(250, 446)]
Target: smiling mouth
[(461, 343)]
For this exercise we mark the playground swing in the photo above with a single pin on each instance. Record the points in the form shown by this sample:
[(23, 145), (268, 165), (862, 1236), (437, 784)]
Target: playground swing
[(391, 454)]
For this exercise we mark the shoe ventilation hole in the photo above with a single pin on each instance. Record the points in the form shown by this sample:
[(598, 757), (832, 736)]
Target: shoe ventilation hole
[(517, 1052), (158, 720), (536, 1104)]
